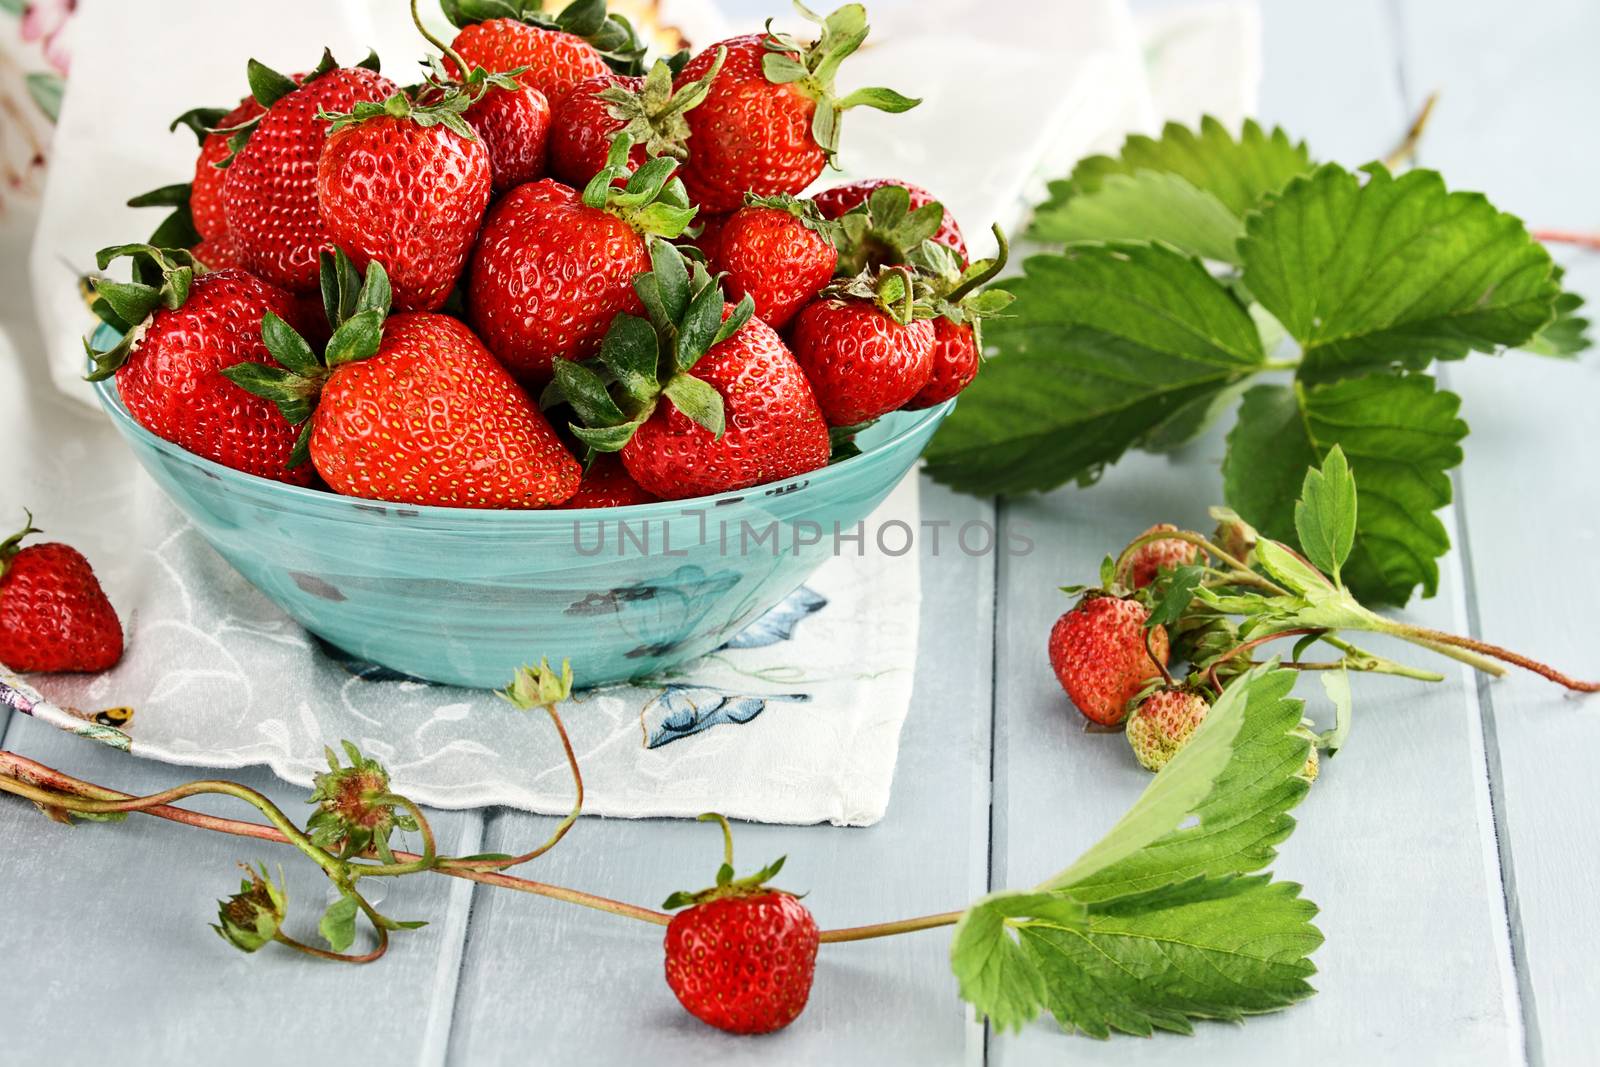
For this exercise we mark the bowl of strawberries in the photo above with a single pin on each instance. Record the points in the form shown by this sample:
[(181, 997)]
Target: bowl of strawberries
[(545, 355)]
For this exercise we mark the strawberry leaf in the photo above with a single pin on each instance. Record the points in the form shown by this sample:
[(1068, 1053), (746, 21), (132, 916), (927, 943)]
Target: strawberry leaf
[(1234, 172), (1402, 436), (1154, 926), (1394, 272), (1568, 333), (1148, 204), (338, 925), (1325, 514), (1103, 344)]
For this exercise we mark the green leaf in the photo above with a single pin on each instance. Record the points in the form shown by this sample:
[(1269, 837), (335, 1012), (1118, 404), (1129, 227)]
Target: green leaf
[(1567, 334), (1401, 436), (1325, 514), (1147, 205), (1153, 926), (1180, 591), (1211, 948), (338, 925), (699, 401), (1238, 172), (1393, 272), (1102, 346)]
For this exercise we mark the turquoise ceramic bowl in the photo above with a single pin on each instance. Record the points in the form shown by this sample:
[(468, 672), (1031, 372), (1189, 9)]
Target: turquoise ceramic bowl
[(464, 597)]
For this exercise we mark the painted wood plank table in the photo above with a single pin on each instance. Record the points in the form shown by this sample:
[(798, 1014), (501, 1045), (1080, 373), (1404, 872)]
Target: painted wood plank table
[(1450, 844)]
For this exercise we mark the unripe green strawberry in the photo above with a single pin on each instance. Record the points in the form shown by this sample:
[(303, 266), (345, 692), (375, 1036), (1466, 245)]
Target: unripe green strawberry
[(1162, 723)]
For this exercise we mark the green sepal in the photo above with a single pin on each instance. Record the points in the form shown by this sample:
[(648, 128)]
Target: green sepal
[(162, 279), (341, 286), (631, 351), (884, 230), (898, 292), (726, 884), (166, 196), (652, 201), (842, 441), (812, 66), (699, 401), (358, 338), (613, 36), (266, 84), (201, 121), (447, 110), (585, 391), (288, 347), (13, 544), (607, 438), (653, 115)]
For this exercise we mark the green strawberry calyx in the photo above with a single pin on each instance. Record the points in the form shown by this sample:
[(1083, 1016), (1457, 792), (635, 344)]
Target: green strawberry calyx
[(652, 199), (810, 66), (268, 87), (727, 885), (356, 309), (439, 103), (613, 36), (653, 115), (162, 278), (899, 292), (643, 360), (254, 915), (13, 544), (805, 211), (883, 229), (963, 294)]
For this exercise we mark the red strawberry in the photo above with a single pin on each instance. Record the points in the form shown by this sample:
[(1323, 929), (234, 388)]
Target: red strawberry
[(556, 60), (205, 195), (220, 253), (414, 410), (1150, 559), (515, 127), (727, 409), (606, 484), (170, 366), (864, 352), (957, 331), (648, 109), (553, 267), (741, 956), (709, 242), (270, 191), (881, 232), (1098, 652), (53, 614), (955, 363), (780, 252), (754, 134), (406, 185)]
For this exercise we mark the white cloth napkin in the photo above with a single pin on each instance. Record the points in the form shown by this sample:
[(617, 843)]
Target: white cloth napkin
[(798, 723)]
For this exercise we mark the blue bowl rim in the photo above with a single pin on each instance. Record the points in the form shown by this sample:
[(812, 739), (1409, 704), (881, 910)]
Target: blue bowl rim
[(111, 399)]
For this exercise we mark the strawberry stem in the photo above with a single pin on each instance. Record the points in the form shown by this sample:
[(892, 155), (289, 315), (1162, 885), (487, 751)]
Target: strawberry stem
[(889, 929), (1407, 147), (450, 53), (1589, 239), (1437, 638)]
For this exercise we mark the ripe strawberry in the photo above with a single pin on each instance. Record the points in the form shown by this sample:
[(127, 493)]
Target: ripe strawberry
[(515, 127), (556, 59), (862, 347), (270, 191), (606, 484), (771, 121), (647, 109), (406, 185), (741, 956), (1149, 559), (780, 252), (709, 240), (887, 227), (727, 408), (188, 329), (53, 614), (1098, 652), (220, 253), (1161, 724), (412, 410), (958, 329), (553, 267), (205, 194)]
